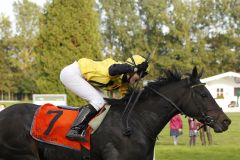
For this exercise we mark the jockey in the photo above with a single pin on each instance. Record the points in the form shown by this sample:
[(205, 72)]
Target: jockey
[(86, 76)]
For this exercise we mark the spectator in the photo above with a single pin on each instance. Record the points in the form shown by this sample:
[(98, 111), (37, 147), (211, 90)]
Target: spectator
[(176, 128), (193, 126), (205, 131)]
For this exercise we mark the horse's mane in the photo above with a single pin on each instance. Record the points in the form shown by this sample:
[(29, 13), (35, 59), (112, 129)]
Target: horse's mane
[(170, 77)]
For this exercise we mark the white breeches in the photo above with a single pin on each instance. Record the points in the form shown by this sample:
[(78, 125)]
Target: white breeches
[(72, 78)]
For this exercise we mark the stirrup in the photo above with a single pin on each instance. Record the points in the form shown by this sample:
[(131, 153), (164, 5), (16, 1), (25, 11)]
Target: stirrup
[(76, 136), (73, 134)]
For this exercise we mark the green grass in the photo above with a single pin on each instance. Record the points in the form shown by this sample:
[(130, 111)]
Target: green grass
[(226, 146)]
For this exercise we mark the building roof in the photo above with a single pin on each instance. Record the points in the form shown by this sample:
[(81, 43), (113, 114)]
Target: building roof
[(223, 75)]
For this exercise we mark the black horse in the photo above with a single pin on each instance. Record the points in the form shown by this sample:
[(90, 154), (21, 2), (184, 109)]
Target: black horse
[(158, 103)]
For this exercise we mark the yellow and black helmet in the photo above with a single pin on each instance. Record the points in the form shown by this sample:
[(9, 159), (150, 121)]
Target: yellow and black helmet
[(135, 60), (140, 63)]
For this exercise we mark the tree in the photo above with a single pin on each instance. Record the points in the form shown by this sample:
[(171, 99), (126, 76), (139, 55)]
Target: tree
[(25, 42), (7, 76), (69, 30), (178, 34), (235, 30), (133, 27), (219, 26)]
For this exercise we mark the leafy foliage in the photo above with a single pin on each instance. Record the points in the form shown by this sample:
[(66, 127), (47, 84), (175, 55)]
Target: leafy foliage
[(68, 31), (179, 34), (7, 76)]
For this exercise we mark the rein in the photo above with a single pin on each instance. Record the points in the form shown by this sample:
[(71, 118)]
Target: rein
[(127, 131), (167, 99)]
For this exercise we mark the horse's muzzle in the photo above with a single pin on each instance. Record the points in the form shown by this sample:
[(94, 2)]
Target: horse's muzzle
[(223, 126), (226, 123)]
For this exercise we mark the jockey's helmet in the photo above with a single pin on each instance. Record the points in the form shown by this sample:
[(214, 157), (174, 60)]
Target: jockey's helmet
[(137, 60)]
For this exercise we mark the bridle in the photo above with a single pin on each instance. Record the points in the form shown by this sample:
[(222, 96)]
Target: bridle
[(206, 119)]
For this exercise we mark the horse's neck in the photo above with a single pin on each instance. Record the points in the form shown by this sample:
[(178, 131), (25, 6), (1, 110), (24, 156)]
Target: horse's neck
[(156, 112), (152, 123)]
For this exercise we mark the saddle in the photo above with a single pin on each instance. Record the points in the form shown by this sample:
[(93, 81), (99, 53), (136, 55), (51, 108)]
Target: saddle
[(51, 124)]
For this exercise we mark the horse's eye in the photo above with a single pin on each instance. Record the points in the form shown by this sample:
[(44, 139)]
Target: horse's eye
[(204, 95)]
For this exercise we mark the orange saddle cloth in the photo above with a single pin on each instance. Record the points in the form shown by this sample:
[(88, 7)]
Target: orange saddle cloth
[(51, 125)]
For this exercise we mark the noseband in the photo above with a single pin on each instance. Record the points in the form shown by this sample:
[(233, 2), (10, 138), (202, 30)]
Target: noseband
[(207, 120)]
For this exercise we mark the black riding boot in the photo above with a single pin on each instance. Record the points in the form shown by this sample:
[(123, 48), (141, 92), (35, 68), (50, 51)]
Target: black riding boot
[(77, 131)]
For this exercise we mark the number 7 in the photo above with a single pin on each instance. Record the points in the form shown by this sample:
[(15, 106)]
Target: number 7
[(55, 118)]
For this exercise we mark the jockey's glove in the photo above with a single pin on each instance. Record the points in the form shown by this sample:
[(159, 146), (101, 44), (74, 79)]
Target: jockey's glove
[(142, 67)]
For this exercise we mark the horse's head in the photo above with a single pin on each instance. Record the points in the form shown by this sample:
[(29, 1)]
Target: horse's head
[(171, 95), (199, 103), (190, 97)]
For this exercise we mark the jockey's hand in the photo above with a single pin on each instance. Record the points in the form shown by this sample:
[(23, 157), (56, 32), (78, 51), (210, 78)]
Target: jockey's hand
[(142, 67)]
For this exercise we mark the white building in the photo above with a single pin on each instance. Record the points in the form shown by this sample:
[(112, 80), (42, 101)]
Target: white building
[(225, 88)]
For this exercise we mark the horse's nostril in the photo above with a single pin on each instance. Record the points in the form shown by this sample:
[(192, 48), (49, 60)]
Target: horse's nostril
[(226, 122)]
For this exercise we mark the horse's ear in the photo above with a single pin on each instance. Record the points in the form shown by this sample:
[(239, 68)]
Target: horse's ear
[(194, 75), (194, 72)]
